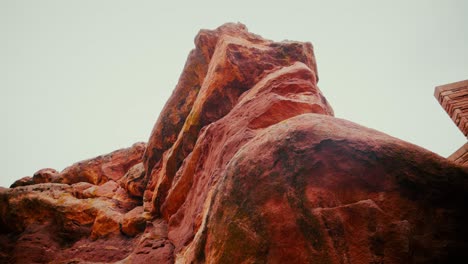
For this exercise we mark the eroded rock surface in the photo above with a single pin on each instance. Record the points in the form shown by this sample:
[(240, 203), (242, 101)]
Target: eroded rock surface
[(246, 164)]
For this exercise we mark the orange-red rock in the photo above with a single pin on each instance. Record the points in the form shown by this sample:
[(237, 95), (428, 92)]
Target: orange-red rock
[(246, 164), (28, 180), (99, 170), (317, 189), (134, 222), (134, 181), (45, 175), (238, 61), (41, 222), (153, 245)]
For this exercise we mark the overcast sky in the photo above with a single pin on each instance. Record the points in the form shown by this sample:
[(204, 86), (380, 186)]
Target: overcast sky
[(83, 78)]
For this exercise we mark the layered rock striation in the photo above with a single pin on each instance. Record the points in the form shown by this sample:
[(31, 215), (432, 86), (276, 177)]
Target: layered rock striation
[(246, 164)]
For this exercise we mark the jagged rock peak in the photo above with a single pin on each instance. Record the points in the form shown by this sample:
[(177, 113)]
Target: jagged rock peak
[(245, 164)]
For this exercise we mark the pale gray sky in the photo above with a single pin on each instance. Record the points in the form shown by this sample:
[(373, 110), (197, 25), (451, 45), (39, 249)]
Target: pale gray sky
[(83, 78)]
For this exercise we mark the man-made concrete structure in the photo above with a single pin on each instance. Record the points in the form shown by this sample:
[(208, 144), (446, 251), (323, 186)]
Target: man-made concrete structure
[(461, 155), (454, 99)]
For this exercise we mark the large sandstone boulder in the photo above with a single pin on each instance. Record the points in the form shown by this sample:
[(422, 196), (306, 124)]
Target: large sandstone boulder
[(317, 189), (245, 164)]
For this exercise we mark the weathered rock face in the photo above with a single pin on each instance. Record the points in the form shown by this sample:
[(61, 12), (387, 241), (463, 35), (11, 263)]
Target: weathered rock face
[(99, 170), (316, 189), (246, 164)]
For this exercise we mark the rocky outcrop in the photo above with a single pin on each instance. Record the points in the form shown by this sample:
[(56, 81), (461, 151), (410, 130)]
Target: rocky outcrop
[(99, 170), (317, 189), (134, 180), (54, 215), (246, 164), (28, 180)]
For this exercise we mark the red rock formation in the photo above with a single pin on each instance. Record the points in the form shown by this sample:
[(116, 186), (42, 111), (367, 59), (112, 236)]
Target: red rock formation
[(246, 164), (316, 189), (45, 175), (22, 182), (99, 170)]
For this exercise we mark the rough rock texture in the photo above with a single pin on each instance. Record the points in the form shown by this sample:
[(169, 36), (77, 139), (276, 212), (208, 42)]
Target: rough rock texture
[(316, 189), (45, 175), (246, 164), (134, 180), (28, 180), (99, 170)]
